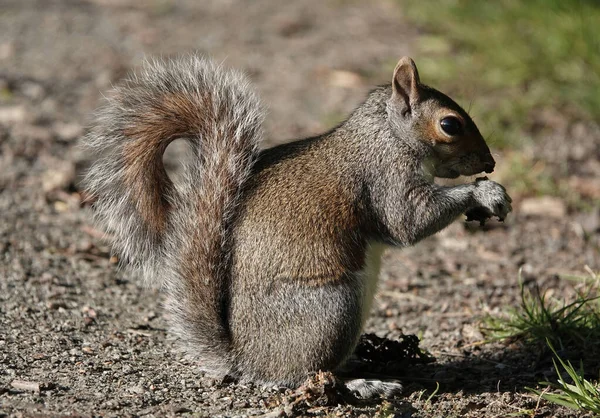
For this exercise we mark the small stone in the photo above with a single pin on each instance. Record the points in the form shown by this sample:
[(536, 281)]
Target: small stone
[(12, 114), (26, 386), (7, 50), (59, 177), (452, 243), (89, 312), (471, 333), (136, 389), (589, 221), (68, 131), (54, 305), (345, 79), (549, 206), (32, 90), (585, 186), (60, 207)]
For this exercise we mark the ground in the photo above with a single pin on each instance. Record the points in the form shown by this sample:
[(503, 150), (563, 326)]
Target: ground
[(79, 336)]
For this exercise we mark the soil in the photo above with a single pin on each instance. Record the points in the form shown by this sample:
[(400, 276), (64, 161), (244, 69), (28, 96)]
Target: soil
[(79, 336)]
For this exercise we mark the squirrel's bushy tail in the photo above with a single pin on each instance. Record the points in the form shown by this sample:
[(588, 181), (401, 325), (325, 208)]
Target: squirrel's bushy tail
[(177, 235)]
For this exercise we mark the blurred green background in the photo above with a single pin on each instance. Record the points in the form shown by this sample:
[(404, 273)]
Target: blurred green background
[(522, 68)]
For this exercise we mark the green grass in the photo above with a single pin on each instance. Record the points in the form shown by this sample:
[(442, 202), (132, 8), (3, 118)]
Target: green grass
[(580, 394), (512, 61), (572, 323)]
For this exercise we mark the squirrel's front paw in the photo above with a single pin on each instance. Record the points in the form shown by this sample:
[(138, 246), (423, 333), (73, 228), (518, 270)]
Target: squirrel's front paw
[(491, 199)]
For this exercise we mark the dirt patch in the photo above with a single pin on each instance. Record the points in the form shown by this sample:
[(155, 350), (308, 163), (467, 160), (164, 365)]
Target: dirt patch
[(79, 336)]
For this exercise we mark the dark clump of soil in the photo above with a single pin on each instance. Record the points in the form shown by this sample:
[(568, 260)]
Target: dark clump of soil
[(385, 356)]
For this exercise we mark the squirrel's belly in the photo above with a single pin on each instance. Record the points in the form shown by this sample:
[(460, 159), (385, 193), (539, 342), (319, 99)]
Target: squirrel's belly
[(369, 277)]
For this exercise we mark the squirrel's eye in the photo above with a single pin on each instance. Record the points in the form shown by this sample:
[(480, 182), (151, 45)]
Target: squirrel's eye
[(451, 125)]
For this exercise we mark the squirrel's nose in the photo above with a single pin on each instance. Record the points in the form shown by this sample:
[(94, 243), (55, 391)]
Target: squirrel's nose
[(488, 163)]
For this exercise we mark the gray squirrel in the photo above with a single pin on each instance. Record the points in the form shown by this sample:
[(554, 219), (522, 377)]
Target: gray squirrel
[(269, 258)]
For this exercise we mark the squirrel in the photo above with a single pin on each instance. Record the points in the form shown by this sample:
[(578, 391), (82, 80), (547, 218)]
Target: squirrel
[(269, 258)]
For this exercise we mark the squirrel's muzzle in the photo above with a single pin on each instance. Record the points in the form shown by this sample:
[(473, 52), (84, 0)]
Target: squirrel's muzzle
[(488, 163)]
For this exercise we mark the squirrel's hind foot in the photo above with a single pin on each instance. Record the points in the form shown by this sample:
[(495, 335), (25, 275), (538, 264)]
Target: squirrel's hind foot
[(373, 388)]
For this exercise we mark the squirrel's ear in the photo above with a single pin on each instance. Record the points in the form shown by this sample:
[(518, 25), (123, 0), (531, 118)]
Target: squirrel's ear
[(405, 84)]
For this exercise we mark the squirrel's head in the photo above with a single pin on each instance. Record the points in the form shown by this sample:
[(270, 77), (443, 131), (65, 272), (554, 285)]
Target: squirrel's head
[(421, 112)]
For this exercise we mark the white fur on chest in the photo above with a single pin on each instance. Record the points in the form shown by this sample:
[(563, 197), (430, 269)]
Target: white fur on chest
[(369, 277)]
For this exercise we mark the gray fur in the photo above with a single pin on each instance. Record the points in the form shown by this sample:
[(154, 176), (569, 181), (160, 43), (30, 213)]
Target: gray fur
[(222, 124), (114, 202), (265, 257), (370, 388)]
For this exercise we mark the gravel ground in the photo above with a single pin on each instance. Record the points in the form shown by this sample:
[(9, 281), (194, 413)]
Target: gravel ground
[(78, 336)]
